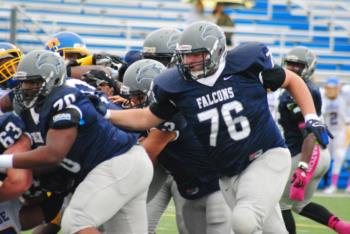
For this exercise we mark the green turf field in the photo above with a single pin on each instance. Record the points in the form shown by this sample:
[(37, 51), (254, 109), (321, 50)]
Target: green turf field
[(338, 204)]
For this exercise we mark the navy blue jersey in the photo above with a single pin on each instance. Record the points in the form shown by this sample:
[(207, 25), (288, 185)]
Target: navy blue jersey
[(187, 161), (97, 140), (11, 129), (291, 117), (231, 118), (87, 89)]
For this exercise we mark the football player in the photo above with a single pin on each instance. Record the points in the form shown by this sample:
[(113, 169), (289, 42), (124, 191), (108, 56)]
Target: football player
[(101, 81), (222, 95), (68, 44), (14, 182), (72, 48), (297, 197), (198, 200), (104, 159), (335, 115), (160, 45)]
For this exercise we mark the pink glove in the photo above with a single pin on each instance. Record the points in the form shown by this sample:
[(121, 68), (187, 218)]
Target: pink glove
[(299, 178)]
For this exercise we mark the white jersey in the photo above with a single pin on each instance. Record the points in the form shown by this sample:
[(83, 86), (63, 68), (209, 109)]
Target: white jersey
[(345, 93), (336, 117), (273, 100), (3, 92), (9, 216), (335, 113)]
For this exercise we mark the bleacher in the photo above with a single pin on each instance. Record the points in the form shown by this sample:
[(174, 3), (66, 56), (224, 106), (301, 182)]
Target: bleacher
[(117, 26)]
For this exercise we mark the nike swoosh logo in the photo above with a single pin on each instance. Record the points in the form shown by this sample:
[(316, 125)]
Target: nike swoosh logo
[(317, 125), (227, 77)]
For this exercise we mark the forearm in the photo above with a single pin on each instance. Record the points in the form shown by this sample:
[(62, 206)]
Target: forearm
[(78, 71), (134, 119), (307, 148), (15, 184), (156, 141), (37, 158)]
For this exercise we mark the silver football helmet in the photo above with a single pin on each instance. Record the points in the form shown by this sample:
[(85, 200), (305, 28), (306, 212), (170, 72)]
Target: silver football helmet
[(38, 73), (138, 80), (203, 39), (300, 60), (160, 45)]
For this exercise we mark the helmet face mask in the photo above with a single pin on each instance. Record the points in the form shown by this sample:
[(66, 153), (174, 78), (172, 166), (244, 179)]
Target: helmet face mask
[(38, 73), (10, 56), (137, 99), (166, 58), (206, 41), (193, 64), (30, 91), (296, 67)]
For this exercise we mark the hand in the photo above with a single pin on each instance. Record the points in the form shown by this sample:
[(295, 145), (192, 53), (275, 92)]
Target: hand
[(99, 106), (299, 178), (108, 60), (320, 131), (117, 99)]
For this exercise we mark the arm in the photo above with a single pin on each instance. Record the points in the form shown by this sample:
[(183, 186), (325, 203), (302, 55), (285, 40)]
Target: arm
[(135, 119), (17, 181), (298, 89), (78, 71), (156, 141), (58, 144), (5, 103)]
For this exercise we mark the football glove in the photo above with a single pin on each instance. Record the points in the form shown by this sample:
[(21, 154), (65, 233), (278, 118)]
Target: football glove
[(320, 131), (99, 106), (299, 178), (108, 60)]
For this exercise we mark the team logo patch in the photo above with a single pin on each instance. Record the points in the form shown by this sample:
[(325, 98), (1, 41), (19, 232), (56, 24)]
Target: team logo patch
[(53, 44), (61, 117)]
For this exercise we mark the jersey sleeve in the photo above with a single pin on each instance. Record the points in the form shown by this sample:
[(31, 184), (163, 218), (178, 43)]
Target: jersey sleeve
[(66, 118), (63, 109), (265, 59), (176, 123), (162, 106)]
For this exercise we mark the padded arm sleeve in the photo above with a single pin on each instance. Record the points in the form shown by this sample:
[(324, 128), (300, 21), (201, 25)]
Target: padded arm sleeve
[(273, 78)]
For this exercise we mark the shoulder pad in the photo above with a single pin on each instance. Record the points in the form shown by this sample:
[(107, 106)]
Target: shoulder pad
[(68, 95), (245, 55), (171, 81)]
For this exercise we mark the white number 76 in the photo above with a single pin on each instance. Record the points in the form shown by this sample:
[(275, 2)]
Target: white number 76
[(213, 116)]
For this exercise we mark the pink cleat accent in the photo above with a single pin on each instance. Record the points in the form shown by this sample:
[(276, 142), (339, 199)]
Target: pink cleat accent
[(340, 226), (297, 190)]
